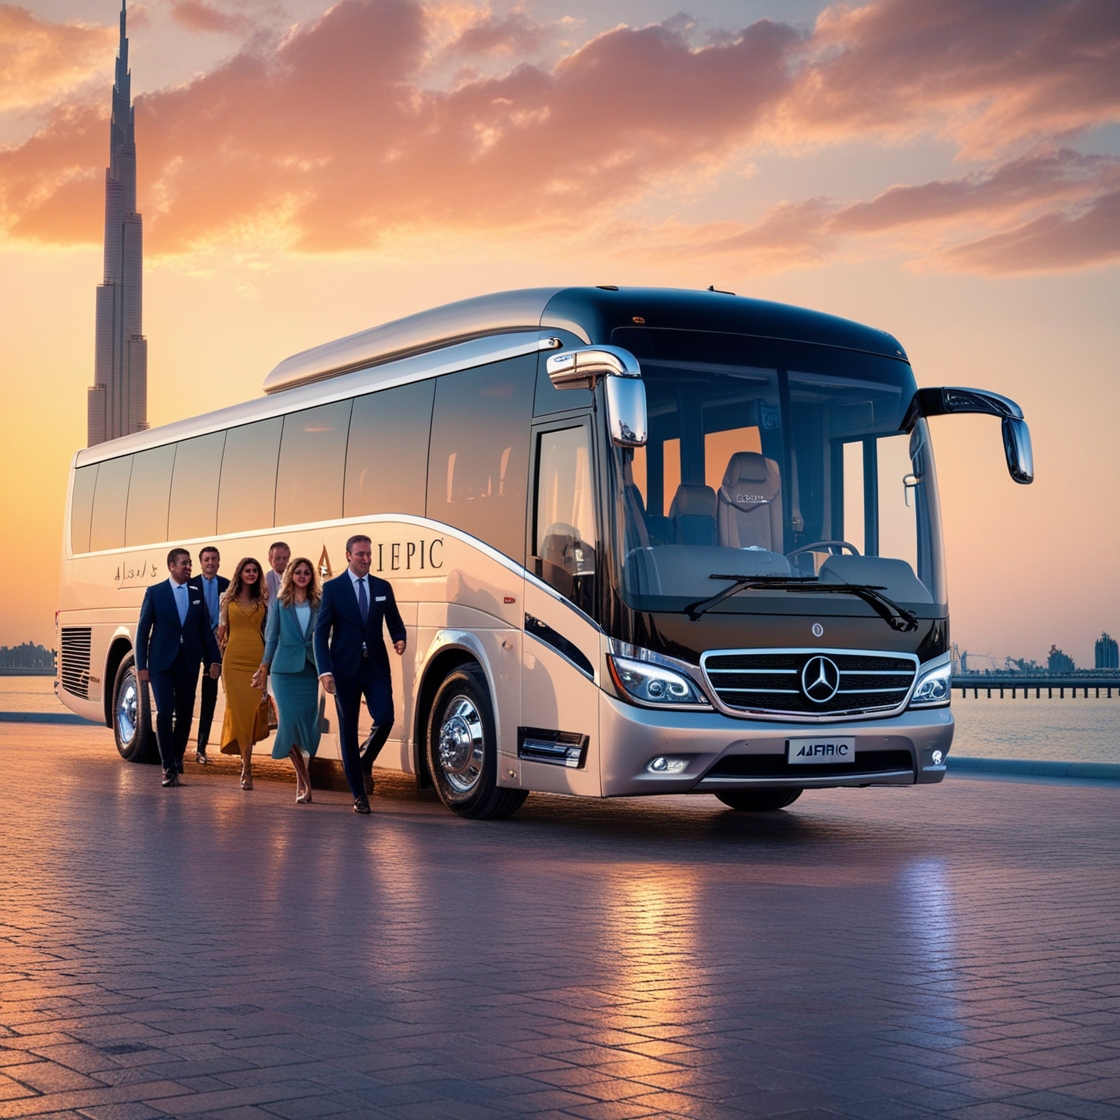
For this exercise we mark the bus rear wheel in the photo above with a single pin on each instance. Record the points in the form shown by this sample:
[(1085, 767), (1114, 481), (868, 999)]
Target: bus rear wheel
[(759, 800), (463, 749), (132, 715)]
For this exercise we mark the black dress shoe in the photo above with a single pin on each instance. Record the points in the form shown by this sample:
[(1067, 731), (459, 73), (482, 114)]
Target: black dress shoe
[(170, 778), (361, 804), (200, 757)]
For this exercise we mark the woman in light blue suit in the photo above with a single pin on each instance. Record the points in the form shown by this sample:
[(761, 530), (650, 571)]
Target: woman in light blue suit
[(290, 656)]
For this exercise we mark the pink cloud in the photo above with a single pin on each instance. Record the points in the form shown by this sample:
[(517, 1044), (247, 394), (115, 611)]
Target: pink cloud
[(511, 34), (40, 61), (198, 15), (328, 139), (1051, 243), (990, 74)]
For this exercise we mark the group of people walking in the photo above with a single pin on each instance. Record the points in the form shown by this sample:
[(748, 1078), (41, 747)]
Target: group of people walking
[(278, 631)]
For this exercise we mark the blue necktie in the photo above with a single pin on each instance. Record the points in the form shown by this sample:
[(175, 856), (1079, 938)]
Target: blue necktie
[(181, 601), (211, 586), (363, 601)]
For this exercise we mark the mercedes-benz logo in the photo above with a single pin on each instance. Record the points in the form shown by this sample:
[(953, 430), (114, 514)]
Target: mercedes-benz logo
[(820, 679)]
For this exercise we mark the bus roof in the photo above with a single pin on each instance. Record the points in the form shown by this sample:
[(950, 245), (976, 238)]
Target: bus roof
[(487, 328), (589, 313)]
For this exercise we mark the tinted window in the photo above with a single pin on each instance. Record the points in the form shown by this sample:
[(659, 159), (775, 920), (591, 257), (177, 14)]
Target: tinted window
[(312, 461), (480, 452), (247, 492), (110, 497), (194, 487), (564, 524), (148, 495), (81, 507), (387, 455)]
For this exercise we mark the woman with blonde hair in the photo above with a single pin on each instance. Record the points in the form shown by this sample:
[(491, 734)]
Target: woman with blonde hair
[(289, 655), (241, 618)]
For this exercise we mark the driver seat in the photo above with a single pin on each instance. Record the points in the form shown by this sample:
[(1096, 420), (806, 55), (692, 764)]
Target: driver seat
[(749, 503)]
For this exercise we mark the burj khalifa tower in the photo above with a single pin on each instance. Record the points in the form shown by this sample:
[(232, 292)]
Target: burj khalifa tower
[(118, 399)]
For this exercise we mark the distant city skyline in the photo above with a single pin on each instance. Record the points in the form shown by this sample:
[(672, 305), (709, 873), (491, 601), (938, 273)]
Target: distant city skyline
[(949, 173), (117, 402)]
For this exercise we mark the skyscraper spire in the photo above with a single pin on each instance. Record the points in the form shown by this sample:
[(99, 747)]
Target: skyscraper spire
[(118, 399)]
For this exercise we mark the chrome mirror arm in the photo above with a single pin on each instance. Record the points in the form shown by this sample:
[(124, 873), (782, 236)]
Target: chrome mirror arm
[(952, 399), (581, 369)]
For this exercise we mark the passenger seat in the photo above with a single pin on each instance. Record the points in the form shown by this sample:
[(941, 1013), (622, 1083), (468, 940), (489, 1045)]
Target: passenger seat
[(750, 503), (693, 514)]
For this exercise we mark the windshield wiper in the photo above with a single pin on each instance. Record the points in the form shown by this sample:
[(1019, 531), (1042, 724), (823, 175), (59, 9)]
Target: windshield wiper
[(896, 617)]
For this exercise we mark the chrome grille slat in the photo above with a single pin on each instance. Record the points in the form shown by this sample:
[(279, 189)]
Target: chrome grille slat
[(756, 683), (73, 659)]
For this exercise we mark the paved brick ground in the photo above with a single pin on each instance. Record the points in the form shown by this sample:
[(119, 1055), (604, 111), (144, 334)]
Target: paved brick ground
[(203, 952)]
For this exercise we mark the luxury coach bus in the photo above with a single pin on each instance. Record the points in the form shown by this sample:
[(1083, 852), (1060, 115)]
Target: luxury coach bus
[(644, 541)]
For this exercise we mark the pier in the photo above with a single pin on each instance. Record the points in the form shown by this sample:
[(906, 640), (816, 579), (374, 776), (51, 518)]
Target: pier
[(1047, 684)]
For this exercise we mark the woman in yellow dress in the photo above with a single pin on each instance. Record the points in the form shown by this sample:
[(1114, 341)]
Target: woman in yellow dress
[(242, 614)]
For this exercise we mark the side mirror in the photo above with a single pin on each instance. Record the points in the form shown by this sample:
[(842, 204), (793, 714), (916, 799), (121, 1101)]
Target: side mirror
[(950, 399), (626, 411), (625, 391), (1017, 448)]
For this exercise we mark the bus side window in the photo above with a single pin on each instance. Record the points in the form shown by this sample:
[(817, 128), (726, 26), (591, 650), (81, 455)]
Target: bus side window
[(194, 487), (81, 507), (247, 491), (479, 461), (564, 512), (387, 452), (309, 478), (148, 496), (109, 500)]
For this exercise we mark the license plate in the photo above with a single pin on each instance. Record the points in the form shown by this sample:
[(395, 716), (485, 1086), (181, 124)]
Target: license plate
[(825, 750)]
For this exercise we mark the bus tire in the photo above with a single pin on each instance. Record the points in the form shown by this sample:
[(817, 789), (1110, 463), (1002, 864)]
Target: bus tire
[(132, 715), (759, 800), (463, 748)]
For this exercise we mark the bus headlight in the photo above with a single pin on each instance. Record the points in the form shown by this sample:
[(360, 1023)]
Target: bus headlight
[(648, 683), (934, 687)]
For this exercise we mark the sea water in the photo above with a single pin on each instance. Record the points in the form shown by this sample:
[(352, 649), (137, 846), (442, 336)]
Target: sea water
[(1069, 730)]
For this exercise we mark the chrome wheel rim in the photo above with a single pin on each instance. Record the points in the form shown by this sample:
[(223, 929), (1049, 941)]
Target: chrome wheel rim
[(128, 709), (461, 745)]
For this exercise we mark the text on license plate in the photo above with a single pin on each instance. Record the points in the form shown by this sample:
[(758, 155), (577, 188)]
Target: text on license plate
[(827, 749)]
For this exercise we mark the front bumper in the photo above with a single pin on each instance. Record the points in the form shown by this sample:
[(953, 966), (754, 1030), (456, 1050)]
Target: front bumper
[(751, 753)]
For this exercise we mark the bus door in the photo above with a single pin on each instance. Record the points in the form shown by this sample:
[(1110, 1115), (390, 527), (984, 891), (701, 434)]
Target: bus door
[(558, 740)]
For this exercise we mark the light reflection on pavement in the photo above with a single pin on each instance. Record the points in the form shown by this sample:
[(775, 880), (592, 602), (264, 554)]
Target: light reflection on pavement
[(202, 951)]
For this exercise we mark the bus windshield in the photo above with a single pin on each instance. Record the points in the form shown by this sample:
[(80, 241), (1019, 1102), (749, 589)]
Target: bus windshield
[(780, 461)]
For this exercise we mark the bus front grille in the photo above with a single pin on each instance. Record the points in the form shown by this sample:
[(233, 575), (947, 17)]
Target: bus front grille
[(808, 683), (73, 658)]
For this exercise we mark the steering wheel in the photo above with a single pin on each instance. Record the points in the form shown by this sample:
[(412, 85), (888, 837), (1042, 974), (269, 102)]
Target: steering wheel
[(834, 548)]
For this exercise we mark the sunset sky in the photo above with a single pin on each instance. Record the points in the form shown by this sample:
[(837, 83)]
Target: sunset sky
[(946, 170)]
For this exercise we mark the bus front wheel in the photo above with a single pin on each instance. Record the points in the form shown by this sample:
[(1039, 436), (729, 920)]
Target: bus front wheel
[(463, 749), (132, 715), (759, 800)]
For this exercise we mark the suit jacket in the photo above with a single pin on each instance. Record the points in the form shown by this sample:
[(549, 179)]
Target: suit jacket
[(286, 648), (160, 635), (196, 583), (339, 633)]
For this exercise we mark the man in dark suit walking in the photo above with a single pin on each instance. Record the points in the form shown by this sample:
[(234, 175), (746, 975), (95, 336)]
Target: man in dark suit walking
[(211, 587), (173, 638), (352, 661)]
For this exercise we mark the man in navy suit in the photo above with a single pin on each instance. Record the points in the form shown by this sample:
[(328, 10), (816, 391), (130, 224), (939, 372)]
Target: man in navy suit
[(352, 661), (173, 638), (211, 587)]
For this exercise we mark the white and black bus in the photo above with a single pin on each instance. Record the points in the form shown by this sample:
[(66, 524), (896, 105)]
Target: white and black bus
[(644, 541)]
